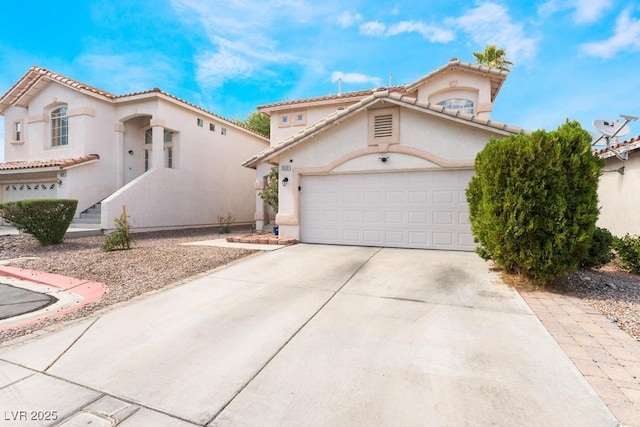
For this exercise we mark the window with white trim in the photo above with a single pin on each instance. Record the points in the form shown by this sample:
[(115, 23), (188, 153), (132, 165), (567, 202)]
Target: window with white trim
[(200, 122), (17, 131), (460, 104), (168, 149), (212, 127), (223, 131), (59, 127)]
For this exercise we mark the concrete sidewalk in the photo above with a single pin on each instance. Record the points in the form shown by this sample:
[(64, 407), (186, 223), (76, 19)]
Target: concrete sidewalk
[(310, 335)]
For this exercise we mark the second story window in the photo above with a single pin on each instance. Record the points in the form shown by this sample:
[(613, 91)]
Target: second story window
[(464, 105), (17, 131), (59, 127)]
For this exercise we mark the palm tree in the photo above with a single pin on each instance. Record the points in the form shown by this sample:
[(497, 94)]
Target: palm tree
[(493, 57)]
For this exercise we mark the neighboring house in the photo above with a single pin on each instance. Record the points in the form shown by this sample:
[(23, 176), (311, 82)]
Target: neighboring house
[(617, 189), (171, 163), (385, 167)]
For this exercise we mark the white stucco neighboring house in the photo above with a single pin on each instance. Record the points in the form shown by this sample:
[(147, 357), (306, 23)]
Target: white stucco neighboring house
[(617, 189), (384, 167), (170, 162)]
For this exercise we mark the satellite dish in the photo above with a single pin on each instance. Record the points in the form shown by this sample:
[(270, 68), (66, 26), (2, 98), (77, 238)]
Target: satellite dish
[(611, 128)]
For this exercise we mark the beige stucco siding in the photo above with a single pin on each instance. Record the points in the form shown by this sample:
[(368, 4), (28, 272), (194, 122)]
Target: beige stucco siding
[(426, 142), (618, 196)]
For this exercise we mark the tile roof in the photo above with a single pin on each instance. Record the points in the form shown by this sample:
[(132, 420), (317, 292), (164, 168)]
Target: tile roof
[(334, 97), (628, 145), (33, 78), (497, 76), (39, 164), (393, 97)]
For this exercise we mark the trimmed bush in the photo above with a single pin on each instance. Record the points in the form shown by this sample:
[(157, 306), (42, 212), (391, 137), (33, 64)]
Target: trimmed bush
[(628, 249), (599, 252), (45, 219), (533, 202)]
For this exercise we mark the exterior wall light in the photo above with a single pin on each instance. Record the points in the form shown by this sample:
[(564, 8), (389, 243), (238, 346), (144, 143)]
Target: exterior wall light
[(384, 159), (131, 152), (285, 181)]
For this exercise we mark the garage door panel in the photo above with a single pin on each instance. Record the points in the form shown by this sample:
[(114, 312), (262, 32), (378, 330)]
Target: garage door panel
[(371, 218), (419, 238), (394, 217), (424, 209), (420, 217), (372, 237), (395, 197)]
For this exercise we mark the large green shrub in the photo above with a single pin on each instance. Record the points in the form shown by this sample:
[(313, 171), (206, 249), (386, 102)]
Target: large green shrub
[(533, 201), (628, 249), (45, 219), (599, 252)]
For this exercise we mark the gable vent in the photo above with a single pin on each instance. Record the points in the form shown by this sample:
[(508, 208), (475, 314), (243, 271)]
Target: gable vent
[(383, 126)]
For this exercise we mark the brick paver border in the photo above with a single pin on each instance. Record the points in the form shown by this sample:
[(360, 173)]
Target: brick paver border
[(607, 357)]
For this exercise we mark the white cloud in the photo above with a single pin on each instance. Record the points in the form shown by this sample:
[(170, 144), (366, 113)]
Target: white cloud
[(490, 23), (626, 37), (123, 73), (355, 78), (214, 68), (347, 19), (373, 28), (432, 33), (584, 12), (590, 11), (240, 34)]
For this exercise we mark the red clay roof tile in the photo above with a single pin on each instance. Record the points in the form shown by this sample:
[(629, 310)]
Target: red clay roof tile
[(38, 164)]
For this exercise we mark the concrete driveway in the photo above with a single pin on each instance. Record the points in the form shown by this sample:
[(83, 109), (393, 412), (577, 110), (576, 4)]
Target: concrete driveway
[(309, 335)]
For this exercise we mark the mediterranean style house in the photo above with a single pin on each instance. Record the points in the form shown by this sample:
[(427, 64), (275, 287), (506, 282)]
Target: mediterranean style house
[(383, 167), (171, 163)]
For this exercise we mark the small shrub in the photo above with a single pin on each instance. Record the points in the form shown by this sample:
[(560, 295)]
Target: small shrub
[(119, 240), (225, 222), (628, 250), (599, 252), (270, 192), (45, 219)]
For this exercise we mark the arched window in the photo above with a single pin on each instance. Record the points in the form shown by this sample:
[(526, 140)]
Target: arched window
[(464, 105), (59, 127)]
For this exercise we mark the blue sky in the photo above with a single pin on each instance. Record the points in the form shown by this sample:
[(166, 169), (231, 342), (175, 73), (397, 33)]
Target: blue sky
[(573, 59)]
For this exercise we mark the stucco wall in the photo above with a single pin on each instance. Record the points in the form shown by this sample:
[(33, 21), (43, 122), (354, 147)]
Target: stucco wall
[(207, 179), (458, 84), (313, 113), (617, 197), (426, 142), (90, 131)]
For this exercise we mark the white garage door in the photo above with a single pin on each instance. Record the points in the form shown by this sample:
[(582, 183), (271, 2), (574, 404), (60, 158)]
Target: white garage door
[(31, 190), (425, 209)]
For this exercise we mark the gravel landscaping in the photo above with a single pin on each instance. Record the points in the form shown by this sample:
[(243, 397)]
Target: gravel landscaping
[(610, 290), (156, 260)]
